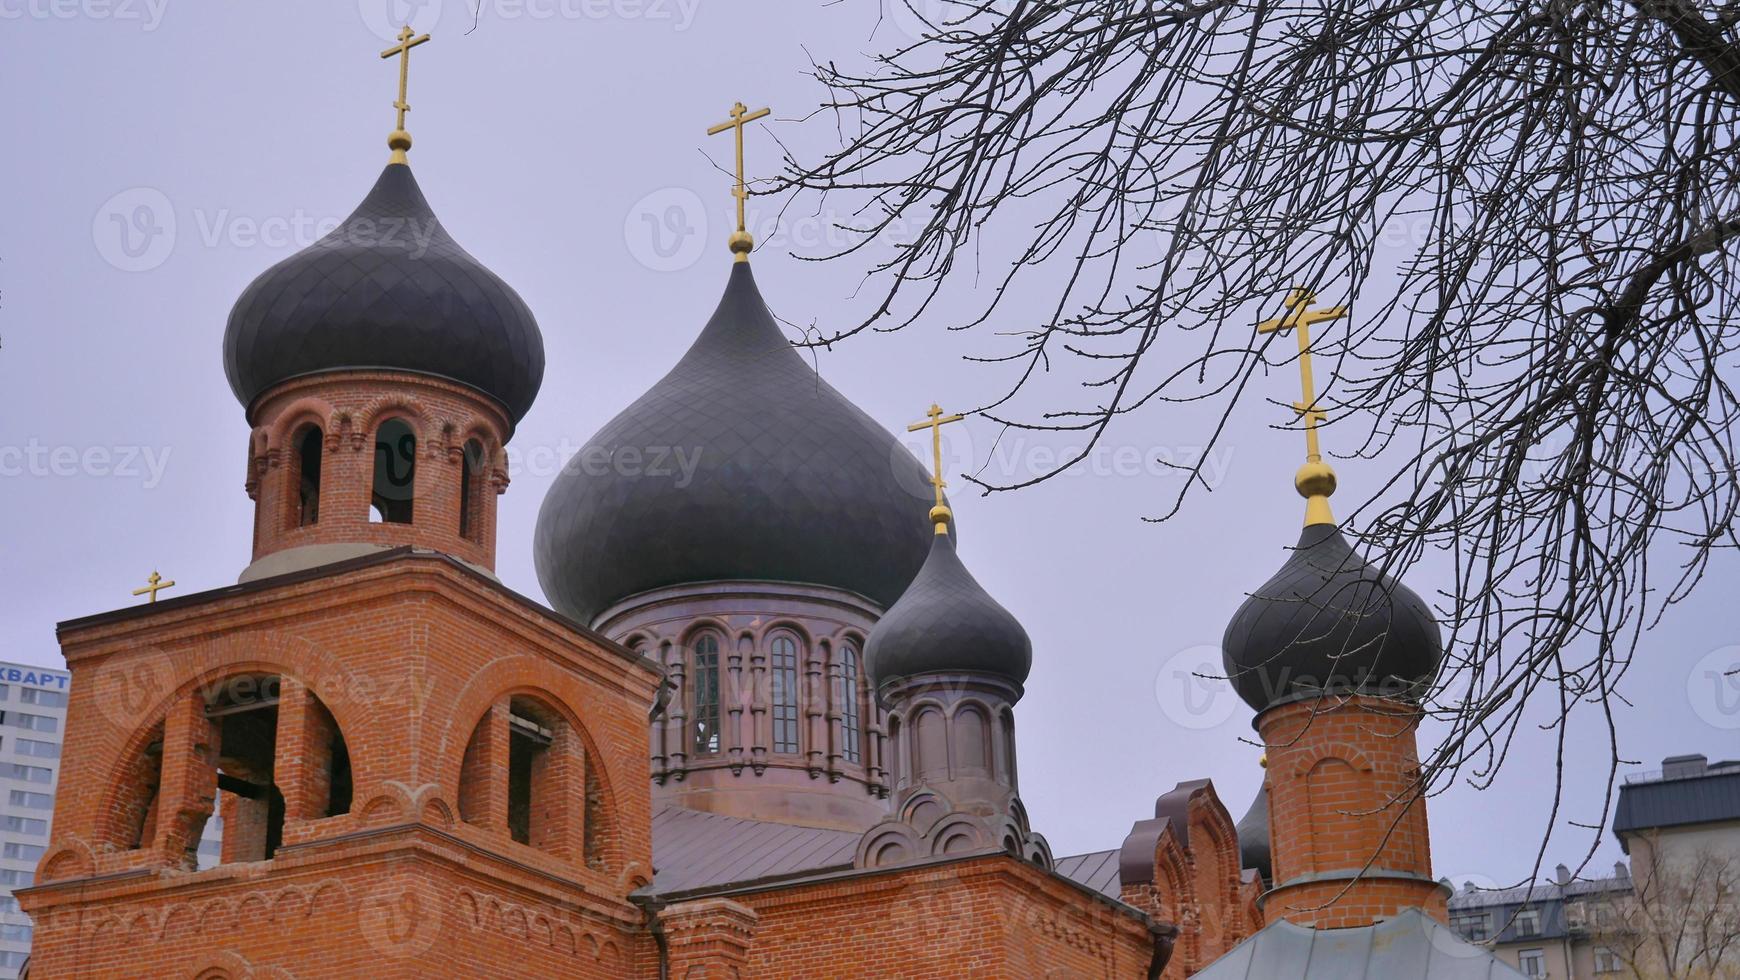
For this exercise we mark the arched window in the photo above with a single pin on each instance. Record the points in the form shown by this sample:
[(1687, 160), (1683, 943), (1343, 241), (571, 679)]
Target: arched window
[(308, 446), (850, 732), (471, 491), (783, 652), (705, 684), (546, 796), (395, 473)]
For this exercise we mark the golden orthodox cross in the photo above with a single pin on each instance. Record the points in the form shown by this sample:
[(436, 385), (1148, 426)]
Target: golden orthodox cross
[(934, 421), (407, 41), (1300, 318), (741, 243), (1315, 481), (153, 585)]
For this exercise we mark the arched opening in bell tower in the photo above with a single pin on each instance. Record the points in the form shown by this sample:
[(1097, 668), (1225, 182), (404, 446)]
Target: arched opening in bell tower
[(308, 443), (395, 481)]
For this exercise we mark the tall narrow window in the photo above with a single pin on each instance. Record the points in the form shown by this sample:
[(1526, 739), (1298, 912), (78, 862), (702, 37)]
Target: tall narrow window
[(706, 687), (395, 473), (470, 492), (244, 710), (849, 725), (529, 741), (308, 445), (784, 654)]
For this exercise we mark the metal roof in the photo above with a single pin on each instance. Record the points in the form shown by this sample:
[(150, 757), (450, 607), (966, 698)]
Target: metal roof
[(1708, 797), (693, 849), (1535, 894), (1411, 946), (1097, 870)]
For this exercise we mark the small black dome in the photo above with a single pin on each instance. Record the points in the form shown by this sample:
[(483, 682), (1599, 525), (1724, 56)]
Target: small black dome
[(947, 623), (388, 289), (1253, 831), (740, 464), (1328, 621)]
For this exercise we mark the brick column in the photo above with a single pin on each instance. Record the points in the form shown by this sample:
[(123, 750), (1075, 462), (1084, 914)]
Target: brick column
[(1342, 774), (709, 939), (302, 765), (483, 779), (558, 819), (189, 787)]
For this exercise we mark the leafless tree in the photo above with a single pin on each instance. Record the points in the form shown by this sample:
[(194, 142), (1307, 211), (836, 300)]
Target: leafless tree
[(1681, 920), (1532, 208)]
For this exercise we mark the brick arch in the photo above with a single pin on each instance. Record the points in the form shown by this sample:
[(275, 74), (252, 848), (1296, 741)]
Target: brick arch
[(521, 674), (1351, 755), (305, 410), (485, 434), (395, 404), (211, 662)]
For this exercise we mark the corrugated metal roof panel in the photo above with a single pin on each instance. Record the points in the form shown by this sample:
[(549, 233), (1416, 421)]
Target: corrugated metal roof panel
[(1097, 870), (693, 849), (1709, 798), (1411, 946)]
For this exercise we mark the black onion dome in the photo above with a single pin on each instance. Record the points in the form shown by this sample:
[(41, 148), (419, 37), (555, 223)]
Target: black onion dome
[(741, 464), (1253, 831), (947, 623), (387, 289), (1328, 621)]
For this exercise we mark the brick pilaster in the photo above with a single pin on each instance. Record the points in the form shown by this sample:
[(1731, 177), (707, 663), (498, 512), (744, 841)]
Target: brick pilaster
[(483, 780), (709, 939), (189, 787)]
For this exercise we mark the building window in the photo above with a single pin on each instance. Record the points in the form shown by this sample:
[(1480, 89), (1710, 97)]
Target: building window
[(5, 690), (705, 684), (13, 932), (23, 852), (1606, 960), (36, 748), (23, 825), (1470, 926), (38, 696), (784, 654), (13, 878), (471, 491), (850, 724), (308, 448), (244, 711), (13, 958), (35, 723), (30, 774), (1528, 923), (395, 473), (31, 801), (1532, 962)]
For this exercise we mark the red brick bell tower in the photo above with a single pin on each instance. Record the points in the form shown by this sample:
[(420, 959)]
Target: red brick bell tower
[(1335, 655), (417, 771)]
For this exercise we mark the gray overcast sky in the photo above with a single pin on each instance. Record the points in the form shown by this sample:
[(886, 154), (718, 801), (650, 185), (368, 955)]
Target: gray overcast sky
[(161, 153)]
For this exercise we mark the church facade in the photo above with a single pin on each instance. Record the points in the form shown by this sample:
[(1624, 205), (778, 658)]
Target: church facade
[(764, 727)]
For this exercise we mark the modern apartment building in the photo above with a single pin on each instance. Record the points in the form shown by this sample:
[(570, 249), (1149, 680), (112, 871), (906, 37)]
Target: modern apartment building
[(1680, 826), (32, 723), (1551, 930), (1686, 812)]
